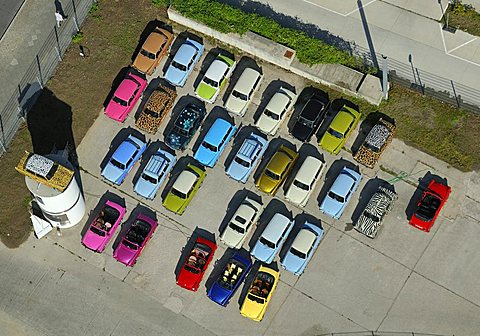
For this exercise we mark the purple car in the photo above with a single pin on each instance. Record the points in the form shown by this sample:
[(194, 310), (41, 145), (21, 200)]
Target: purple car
[(103, 227), (134, 241)]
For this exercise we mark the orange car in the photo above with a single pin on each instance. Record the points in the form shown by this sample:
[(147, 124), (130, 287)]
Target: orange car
[(153, 49)]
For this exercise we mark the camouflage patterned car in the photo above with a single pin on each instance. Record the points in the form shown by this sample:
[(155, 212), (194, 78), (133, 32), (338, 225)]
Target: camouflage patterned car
[(156, 109), (375, 143)]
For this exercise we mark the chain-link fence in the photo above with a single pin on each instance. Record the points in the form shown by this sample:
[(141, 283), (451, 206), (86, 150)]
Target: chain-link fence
[(41, 69)]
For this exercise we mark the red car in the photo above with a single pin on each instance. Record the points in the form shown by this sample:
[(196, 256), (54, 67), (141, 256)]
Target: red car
[(196, 263), (429, 205)]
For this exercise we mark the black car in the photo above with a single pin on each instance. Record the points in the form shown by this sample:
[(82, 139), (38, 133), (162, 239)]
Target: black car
[(185, 126), (310, 118)]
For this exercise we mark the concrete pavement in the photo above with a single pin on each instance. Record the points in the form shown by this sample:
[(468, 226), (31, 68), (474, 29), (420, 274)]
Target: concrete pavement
[(8, 9)]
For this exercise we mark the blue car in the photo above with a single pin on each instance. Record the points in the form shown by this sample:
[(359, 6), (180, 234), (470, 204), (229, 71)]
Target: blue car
[(123, 159), (230, 279), (158, 167), (302, 248), (182, 64), (247, 157), (340, 193), (214, 142), (185, 126), (272, 238)]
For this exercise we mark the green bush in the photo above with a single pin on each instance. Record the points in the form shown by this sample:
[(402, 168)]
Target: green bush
[(78, 37), (228, 19)]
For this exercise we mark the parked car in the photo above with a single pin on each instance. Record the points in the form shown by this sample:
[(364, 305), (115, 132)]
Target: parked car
[(371, 219), (123, 159), (215, 78), (241, 223), (272, 238), (156, 109), (185, 126), (196, 263), (429, 205), (375, 143), (158, 167), (229, 279), (183, 62), (302, 248), (153, 50), (135, 240), (243, 91), (340, 129), (214, 142), (277, 170), (247, 157), (103, 226), (260, 293), (340, 192), (310, 118), (305, 181), (184, 188), (276, 111), (125, 97)]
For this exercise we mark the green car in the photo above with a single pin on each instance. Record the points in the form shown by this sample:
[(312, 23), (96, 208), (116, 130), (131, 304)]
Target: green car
[(215, 78), (184, 188), (339, 130)]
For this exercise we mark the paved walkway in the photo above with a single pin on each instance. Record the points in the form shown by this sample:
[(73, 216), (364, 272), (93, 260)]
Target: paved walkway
[(9, 9)]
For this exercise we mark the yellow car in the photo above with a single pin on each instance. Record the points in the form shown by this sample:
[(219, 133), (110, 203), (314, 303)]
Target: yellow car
[(339, 130), (276, 170), (260, 293)]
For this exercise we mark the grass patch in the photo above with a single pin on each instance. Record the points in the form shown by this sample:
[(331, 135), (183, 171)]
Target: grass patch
[(78, 37), (161, 3), (464, 17)]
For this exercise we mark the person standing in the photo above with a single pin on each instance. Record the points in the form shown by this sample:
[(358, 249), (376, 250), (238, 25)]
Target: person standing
[(59, 18)]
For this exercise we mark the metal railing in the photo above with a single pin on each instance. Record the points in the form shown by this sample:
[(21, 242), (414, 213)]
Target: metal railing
[(41, 69)]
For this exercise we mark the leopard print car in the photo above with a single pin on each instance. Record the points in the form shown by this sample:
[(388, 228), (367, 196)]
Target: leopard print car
[(375, 143), (156, 109)]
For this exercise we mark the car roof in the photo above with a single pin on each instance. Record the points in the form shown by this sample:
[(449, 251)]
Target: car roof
[(279, 161), (248, 148), (247, 80), (308, 170), (186, 118), (185, 53), (216, 69), (275, 227), (304, 240), (378, 135), (157, 163), (380, 201), (185, 181), (126, 88), (342, 120), (278, 102), (312, 108), (343, 183), (217, 131), (245, 211), (154, 40), (125, 151)]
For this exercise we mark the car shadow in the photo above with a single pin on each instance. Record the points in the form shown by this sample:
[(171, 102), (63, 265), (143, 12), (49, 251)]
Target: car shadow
[(242, 64)]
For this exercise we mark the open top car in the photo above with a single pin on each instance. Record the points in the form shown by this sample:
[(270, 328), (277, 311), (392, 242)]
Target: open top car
[(429, 205), (153, 50), (371, 219), (103, 226), (135, 240), (184, 188), (185, 126), (340, 192), (156, 109), (276, 111), (157, 169), (183, 62), (260, 293), (229, 279), (243, 91), (375, 143), (195, 264), (305, 181), (125, 97), (123, 159), (241, 223), (215, 78), (214, 142), (310, 118), (339, 130), (302, 248)]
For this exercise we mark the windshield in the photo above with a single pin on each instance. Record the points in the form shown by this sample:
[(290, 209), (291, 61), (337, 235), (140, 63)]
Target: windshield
[(267, 242), (239, 95), (305, 122), (237, 228), (179, 66), (178, 193), (150, 179), (242, 162), (210, 82), (301, 185), (272, 175), (147, 54), (117, 164), (371, 216), (272, 115), (336, 134), (181, 131), (298, 253), (372, 147), (209, 146), (150, 112), (129, 245), (120, 101), (191, 269), (336, 197), (97, 231), (255, 299)]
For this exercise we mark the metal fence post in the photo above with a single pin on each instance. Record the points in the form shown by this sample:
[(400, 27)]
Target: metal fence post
[(385, 77)]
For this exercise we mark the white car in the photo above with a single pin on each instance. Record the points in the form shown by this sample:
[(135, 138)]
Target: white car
[(276, 111), (305, 180), (241, 223), (243, 91)]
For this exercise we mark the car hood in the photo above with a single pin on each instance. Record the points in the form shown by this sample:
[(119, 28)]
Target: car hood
[(219, 294), (175, 140), (251, 309), (266, 184), (267, 124), (205, 156), (232, 238), (124, 254), (293, 263), (332, 207), (93, 241), (301, 132), (235, 105), (112, 173), (145, 188), (175, 75), (296, 195), (262, 252), (116, 111), (238, 172), (143, 63), (330, 143), (173, 203), (206, 91), (189, 280)]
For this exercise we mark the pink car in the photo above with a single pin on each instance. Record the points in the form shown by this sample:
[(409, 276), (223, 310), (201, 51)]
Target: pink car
[(125, 97), (134, 241), (103, 227)]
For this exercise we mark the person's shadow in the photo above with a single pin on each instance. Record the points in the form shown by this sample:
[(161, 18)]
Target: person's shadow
[(59, 9)]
